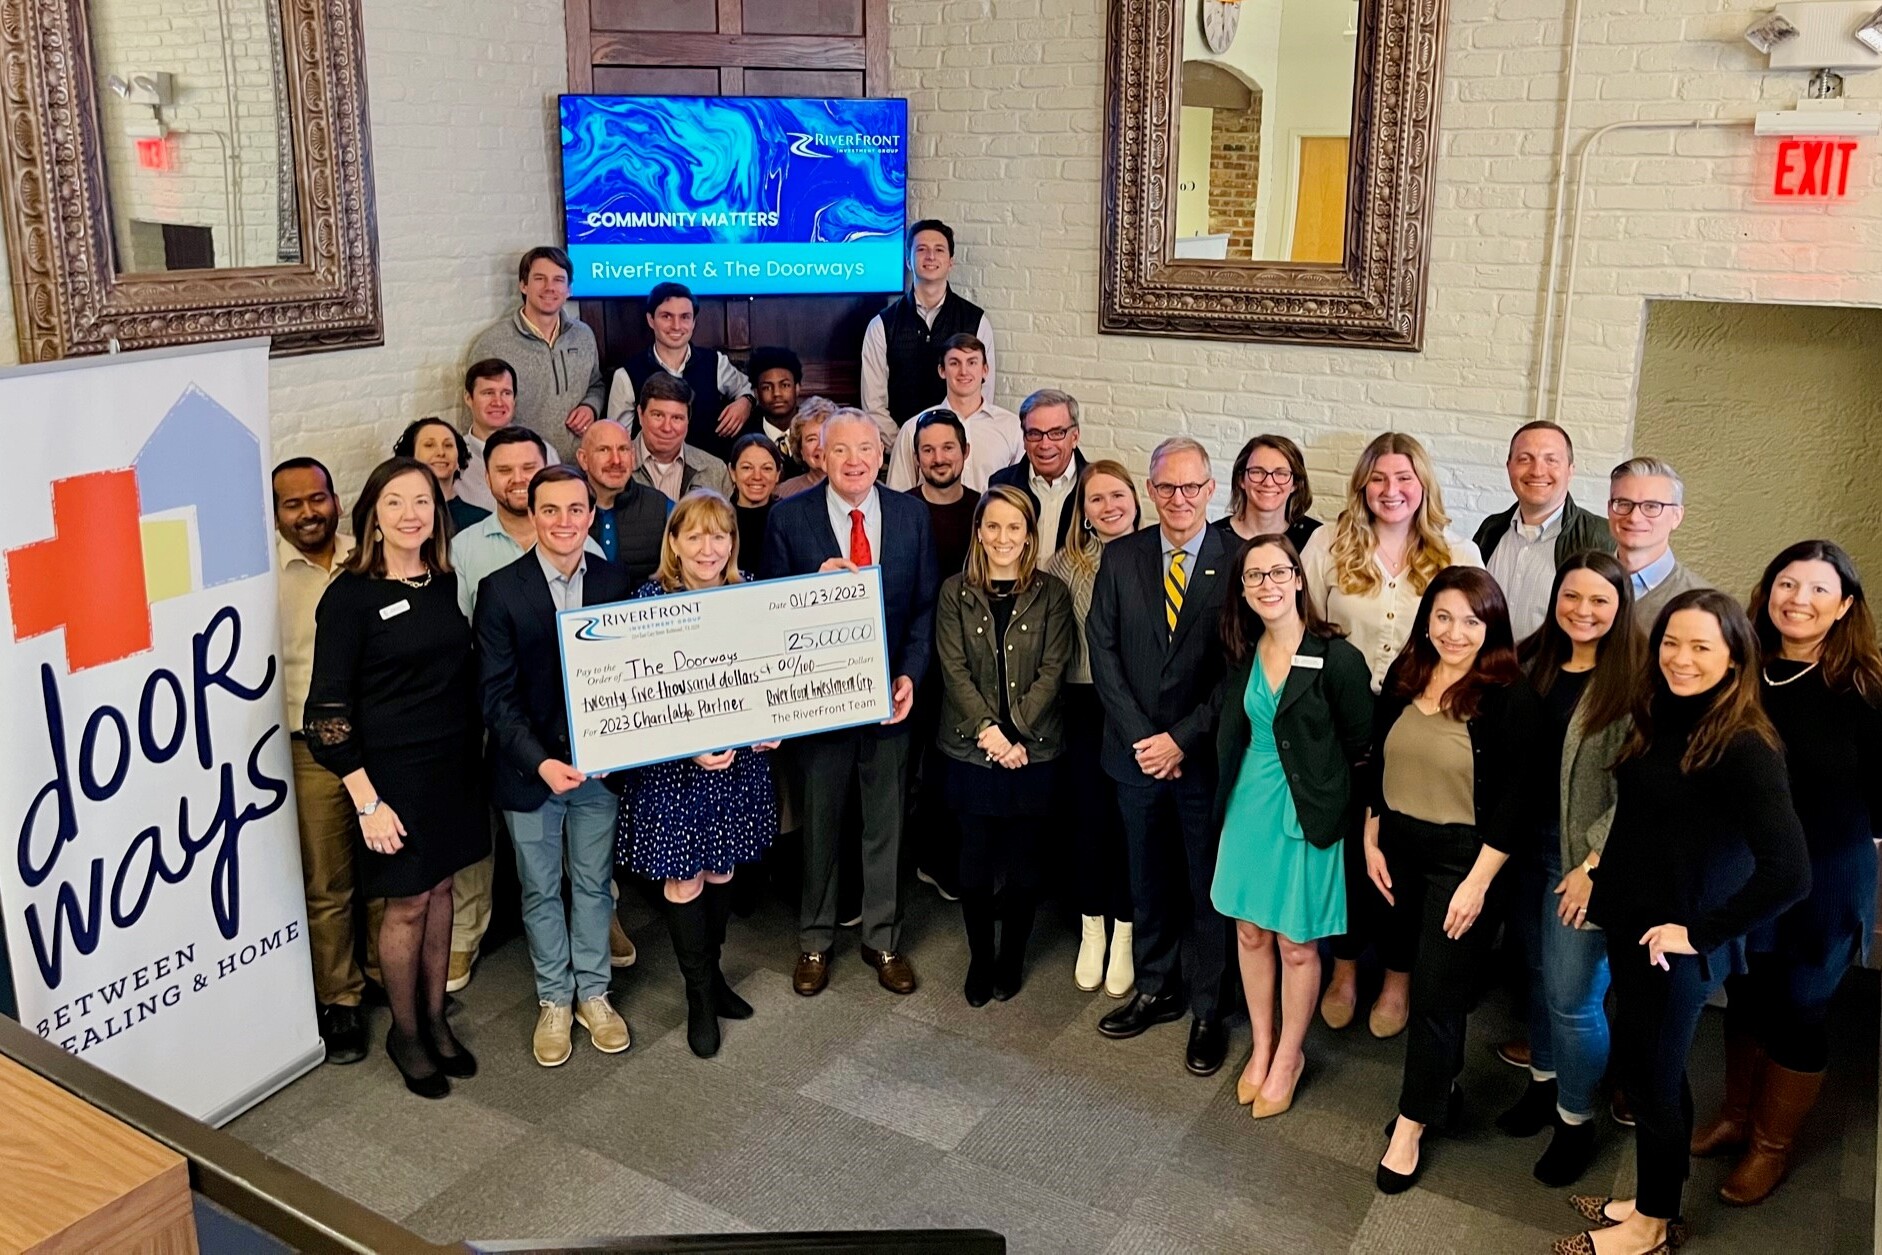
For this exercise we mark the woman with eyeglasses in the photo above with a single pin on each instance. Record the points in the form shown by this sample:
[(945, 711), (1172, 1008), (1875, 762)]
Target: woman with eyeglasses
[(1367, 573), (1439, 828), (1822, 688), (1582, 667), (1295, 726), (1108, 508), (1705, 846), (1269, 493)]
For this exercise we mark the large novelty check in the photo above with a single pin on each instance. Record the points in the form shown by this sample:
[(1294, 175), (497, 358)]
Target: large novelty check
[(690, 673)]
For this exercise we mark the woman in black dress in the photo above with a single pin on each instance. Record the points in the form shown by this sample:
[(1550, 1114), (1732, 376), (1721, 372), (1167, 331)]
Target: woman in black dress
[(1003, 632), (1822, 688), (392, 711), (1704, 846)]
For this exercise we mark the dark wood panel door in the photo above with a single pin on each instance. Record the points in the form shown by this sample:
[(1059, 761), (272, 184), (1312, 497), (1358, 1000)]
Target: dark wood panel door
[(836, 48)]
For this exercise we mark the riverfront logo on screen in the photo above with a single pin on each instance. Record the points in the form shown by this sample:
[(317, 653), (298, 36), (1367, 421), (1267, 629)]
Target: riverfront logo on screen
[(735, 195)]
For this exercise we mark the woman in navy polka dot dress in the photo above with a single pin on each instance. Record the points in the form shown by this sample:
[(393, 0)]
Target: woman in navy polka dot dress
[(692, 821)]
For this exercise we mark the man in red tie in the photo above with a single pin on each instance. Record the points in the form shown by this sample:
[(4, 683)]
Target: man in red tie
[(846, 524)]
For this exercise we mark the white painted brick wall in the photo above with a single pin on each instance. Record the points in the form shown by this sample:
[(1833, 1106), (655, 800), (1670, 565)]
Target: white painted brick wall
[(462, 103), (1007, 106)]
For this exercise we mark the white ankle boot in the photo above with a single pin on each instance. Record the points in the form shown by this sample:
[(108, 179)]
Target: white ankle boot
[(1121, 974), (1089, 970)]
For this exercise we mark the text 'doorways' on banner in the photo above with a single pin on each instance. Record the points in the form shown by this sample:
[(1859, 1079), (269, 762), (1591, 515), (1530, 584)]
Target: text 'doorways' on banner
[(696, 672)]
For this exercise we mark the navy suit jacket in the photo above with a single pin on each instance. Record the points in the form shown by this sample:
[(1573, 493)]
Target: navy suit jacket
[(521, 664), (1150, 679), (798, 541)]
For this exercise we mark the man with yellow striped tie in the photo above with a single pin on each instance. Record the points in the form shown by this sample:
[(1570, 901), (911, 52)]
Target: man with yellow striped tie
[(1156, 660)]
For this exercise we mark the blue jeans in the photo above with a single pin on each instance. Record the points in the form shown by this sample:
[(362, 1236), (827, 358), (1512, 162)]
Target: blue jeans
[(1574, 980), (569, 951)]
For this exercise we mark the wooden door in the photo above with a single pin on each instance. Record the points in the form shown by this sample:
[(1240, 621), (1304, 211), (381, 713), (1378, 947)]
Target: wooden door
[(738, 48), (1320, 199)]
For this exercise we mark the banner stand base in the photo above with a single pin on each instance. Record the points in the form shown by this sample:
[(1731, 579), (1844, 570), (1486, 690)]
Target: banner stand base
[(268, 1086)]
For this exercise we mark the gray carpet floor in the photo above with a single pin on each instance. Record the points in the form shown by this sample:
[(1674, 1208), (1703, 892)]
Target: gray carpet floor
[(858, 1109)]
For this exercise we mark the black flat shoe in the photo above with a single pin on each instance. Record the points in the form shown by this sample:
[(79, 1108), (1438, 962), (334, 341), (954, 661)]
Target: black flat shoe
[(432, 1084), (452, 1058), (979, 988), (1390, 1182), (1142, 1012), (1570, 1151), (1208, 1046)]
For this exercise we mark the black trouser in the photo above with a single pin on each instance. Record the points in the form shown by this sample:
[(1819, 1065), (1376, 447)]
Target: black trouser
[(1176, 931), (1367, 913), (1428, 862), (934, 836), (1656, 1014), (873, 764), (1093, 845)]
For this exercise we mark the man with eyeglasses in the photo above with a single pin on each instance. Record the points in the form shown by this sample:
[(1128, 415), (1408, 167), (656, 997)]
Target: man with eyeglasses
[(1646, 504), (1523, 546), (1048, 421), (1156, 663), (992, 433)]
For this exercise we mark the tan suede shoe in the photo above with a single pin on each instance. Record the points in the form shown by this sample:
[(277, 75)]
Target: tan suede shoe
[(551, 1041), (606, 1029)]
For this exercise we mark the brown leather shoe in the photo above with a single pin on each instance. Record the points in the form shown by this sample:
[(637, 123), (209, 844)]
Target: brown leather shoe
[(891, 969), (812, 974)]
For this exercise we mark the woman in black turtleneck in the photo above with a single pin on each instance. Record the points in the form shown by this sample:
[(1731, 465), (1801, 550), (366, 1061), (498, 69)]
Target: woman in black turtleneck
[(1822, 687), (1705, 846)]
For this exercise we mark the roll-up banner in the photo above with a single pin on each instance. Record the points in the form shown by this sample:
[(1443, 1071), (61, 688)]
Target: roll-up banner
[(155, 923)]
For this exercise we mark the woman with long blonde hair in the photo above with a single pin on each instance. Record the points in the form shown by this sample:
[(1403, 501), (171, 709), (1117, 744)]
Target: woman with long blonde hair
[(1367, 573), (692, 821)]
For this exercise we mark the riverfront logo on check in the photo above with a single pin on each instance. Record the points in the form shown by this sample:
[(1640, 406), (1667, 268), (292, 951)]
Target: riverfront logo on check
[(123, 538)]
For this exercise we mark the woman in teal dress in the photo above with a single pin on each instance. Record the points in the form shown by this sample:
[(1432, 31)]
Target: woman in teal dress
[(1296, 721)]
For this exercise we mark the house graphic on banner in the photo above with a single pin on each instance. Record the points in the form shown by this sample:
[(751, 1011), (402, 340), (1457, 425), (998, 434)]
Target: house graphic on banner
[(180, 518)]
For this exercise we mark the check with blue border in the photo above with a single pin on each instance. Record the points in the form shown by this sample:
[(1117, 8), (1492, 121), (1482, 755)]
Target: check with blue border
[(691, 673)]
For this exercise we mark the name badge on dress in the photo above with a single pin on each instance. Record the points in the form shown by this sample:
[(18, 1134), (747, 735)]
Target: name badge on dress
[(1311, 662), (395, 609)]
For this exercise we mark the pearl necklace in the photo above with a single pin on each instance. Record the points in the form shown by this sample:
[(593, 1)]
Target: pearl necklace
[(1778, 684)]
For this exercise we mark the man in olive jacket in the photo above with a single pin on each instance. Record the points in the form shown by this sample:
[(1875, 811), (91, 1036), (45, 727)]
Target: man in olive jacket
[(1523, 546)]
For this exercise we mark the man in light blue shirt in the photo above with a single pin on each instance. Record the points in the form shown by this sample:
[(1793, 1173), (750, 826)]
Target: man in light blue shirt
[(512, 456), (1646, 504)]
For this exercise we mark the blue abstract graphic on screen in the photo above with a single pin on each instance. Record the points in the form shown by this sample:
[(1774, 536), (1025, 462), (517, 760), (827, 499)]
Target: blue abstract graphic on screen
[(735, 195)]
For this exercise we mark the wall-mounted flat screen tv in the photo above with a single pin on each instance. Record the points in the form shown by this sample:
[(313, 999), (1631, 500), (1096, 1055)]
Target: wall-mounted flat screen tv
[(734, 195)]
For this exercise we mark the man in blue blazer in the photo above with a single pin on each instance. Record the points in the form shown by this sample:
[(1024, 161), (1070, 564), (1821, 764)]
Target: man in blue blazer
[(557, 816), (847, 523), (1157, 663)]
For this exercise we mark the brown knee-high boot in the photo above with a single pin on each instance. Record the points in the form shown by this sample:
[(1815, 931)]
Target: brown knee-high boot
[(1783, 1102), (1731, 1129)]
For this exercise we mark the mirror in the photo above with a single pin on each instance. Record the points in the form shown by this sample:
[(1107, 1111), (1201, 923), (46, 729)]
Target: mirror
[(195, 136), (1268, 169), (1264, 133), (183, 171)]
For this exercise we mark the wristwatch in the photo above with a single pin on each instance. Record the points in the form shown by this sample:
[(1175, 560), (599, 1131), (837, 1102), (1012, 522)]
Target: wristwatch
[(370, 807)]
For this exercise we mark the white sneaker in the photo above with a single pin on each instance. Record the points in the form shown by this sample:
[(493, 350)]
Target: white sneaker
[(1121, 974), (1088, 972)]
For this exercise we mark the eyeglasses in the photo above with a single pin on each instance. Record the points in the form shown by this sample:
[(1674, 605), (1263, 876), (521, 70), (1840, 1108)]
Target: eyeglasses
[(1621, 507), (1280, 479), (1275, 575), (1054, 434), (1167, 492)]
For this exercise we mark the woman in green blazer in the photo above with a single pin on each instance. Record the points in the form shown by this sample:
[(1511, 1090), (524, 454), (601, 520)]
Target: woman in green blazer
[(1296, 720)]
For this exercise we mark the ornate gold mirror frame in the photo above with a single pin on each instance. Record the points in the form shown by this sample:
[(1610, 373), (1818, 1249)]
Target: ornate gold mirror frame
[(1375, 298), (69, 295)]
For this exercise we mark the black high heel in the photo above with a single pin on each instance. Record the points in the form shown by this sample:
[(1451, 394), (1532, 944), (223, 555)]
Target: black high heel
[(433, 1085)]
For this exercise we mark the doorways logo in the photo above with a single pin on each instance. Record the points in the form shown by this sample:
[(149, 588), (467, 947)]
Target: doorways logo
[(121, 537)]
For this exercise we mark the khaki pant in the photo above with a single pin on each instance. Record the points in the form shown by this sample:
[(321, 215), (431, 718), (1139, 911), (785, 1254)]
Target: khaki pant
[(329, 830), (470, 904)]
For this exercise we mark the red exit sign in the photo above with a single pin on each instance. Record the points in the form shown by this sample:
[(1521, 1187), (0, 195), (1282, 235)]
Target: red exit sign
[(1812, 169)]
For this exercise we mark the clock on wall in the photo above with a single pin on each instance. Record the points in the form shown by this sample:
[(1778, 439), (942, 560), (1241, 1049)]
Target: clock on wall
[(1219, 19)]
